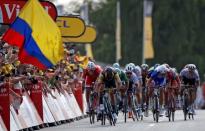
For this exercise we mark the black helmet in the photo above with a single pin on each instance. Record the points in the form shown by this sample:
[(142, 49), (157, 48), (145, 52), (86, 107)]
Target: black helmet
[(109, 73)]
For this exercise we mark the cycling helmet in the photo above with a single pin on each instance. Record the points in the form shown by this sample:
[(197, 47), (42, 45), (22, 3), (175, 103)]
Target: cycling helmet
[(191, 67), (91, 65), (129, 68), (118, 70), (174, 70), (137, 69), (162, 69), (116, 65), (167, 65), (144, 67), (109, 73), (132, 64), (156, 65)]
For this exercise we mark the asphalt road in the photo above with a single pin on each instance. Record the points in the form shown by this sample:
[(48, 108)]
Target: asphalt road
[(198, 124)]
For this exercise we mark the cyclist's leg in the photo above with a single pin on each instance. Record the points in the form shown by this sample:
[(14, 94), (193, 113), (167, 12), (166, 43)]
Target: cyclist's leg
[(139, 96), (192, 99), (167, 100), (88, 98)]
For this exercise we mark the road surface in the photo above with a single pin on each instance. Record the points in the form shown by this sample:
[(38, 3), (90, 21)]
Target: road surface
[(146, 125)]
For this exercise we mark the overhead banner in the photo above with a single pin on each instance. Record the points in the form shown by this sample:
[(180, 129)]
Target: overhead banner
[(71, 26), (88, 37), (9, 10)]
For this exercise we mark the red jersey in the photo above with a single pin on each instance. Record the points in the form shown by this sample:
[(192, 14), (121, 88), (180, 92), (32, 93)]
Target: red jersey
[(173, 78), (91, 76)]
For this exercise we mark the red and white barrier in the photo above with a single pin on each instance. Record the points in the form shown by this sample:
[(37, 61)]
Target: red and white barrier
[(74, 105), (2, 125), (45, 109), (84, 103), (47, 115)]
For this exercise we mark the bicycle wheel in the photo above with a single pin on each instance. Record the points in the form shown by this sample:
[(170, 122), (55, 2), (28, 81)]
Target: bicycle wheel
[(156, 107), (141, 117), (134, 112), (103, 118), (90, 115), (125, 112), (157, 116), (173, 114), (169, 114), (90, 119), (185, 108), (93, 117)]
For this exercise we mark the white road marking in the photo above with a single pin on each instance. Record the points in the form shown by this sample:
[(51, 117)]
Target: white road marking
[(151, 125)]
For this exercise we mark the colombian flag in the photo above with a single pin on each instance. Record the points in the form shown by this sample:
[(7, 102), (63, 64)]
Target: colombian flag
[(37, 36)]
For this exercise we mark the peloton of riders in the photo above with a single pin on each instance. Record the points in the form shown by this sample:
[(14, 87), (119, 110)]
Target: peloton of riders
[(140, 80)]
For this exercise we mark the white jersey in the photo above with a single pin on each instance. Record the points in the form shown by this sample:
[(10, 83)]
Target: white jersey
[(185, 73), (138, 73)]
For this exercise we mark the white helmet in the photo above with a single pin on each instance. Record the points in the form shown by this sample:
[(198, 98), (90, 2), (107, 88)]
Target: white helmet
[(116, 65), (132, 64), (162, 69), (191, 67), (129, 68), (91, 65), (137, 69)]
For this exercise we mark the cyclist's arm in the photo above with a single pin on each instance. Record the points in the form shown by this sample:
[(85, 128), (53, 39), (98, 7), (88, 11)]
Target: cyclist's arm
[(197, 79), (149, 81), (99, 83), (118, 81)]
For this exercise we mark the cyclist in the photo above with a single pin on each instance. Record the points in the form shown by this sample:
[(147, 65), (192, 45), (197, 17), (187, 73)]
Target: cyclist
[(124, 81), (133, 82), (173, 81), (109, 80), (90, 75), (144, 72), (190, 76), (151, 69), (158, 79), (116, 65)]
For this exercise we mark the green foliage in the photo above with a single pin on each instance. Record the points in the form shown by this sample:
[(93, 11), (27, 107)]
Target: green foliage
[(178, 32)]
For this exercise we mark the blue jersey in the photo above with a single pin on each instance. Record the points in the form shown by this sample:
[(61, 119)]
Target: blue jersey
[(158, 79)]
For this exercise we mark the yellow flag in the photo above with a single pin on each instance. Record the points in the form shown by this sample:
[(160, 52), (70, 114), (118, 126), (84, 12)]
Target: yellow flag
[(148, 41)]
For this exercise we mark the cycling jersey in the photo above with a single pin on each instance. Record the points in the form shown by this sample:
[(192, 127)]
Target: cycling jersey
[(173, 78), (150, 71), (109, 83), (123, 77), (185, 73), (138, 74), (91, 76), (133, 80), (158, 79), (144, 78)]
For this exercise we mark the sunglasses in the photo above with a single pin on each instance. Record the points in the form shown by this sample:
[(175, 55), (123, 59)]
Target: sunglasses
[(129, 73)]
